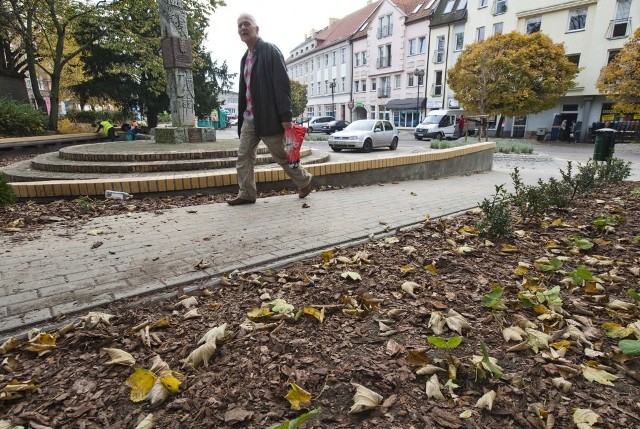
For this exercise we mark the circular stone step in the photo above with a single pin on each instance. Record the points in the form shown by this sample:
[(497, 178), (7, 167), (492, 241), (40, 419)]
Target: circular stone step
[(52, 162), (149, 151)]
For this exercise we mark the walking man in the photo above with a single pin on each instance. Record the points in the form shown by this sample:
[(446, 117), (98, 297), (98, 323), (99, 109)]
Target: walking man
[(264, 112)]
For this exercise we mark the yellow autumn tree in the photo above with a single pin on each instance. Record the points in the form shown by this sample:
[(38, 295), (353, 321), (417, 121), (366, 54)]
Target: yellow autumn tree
[(512, 74), (620, 79)]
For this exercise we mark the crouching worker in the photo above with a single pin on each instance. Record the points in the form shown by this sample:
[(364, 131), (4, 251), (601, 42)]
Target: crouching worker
[(107, 129), (132, 132)]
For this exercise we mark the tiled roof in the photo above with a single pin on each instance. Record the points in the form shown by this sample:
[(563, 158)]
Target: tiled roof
[(408, 7), (342, 29), (440, 18)]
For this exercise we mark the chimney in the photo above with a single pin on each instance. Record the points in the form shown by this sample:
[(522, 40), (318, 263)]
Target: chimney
[(333, 21)]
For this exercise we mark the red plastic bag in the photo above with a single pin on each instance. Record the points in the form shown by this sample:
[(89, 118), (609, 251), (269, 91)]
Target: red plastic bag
[(294, 137)]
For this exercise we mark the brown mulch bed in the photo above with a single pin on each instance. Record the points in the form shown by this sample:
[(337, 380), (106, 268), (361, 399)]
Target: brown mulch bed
[(373, 333)]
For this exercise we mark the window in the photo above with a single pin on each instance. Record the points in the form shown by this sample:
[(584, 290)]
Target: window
[(334, 57), (365, 61), (612, 54), (459, 42), (357, 59), (326, 59), (437, 86), (462, 5), (373, 84), (410, 77), (356, 86), (311, 89), (385, 26), (396, 81), (318, 87), (533, 25), (483, 3), (574, 58), (364, 85), (343, 83), (497, 28), (384, 56), (318, 61), (479, 34), (621, 25), (412, 47), (449, 7), (343, 55), (438, 55), (501, 7), (326, 86), (422, 46), (385, 86), (577, 19)]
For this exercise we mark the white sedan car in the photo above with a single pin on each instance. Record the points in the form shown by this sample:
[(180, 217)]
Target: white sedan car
[(365, 134)]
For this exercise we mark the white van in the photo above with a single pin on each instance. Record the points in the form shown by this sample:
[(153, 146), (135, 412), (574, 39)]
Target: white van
[(441, 124)]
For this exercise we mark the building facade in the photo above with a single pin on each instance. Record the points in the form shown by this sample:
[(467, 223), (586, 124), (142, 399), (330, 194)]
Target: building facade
[(390, 59)]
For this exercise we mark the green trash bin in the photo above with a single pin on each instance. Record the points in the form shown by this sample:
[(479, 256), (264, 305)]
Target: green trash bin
[(604, 145)]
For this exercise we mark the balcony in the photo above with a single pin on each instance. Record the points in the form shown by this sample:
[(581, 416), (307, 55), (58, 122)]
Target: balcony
[(383, 62), (619, 28), (385, 31), (438, 57), (384, 92)]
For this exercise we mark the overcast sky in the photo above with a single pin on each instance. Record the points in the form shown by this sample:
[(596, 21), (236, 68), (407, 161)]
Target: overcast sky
[(282, 22)]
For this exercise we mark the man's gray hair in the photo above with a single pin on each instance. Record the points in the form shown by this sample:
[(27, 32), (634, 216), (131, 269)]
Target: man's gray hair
[(248, 17)]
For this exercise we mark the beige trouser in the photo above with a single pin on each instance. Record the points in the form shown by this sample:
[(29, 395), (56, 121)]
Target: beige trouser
[(247, 159)]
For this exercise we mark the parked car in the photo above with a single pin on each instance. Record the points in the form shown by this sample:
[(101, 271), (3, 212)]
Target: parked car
[(365, 135), (233, 121), (333, 126), (316, 123)]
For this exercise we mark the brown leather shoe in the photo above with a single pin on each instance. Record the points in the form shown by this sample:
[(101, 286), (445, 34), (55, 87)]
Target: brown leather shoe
[(303, 192), (237, 201)]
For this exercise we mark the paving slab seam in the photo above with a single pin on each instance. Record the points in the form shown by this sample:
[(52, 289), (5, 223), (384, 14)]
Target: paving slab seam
[(188, 280)]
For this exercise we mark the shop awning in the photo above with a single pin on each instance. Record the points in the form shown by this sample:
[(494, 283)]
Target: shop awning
[(405, 103)]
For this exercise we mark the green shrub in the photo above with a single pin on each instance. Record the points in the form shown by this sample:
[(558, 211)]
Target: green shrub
[(511, 147), (164, 117), (316, 137), (7, 195), (20, 119), (92, 116), (496, 215)]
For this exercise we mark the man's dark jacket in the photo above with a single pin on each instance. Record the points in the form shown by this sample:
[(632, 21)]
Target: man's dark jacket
[(270, 90)]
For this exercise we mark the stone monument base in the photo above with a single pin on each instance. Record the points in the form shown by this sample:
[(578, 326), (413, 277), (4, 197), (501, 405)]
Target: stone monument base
[(175, 135)]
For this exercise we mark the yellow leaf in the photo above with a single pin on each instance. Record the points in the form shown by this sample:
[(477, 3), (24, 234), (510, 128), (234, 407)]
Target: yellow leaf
[(598, 375), (560, 344), (540, 309), (466, 229), (171, 383), (601, 241), (141, 382), (557, 222), (406, 269), (508, 248), (318, 314), (591, 287), (615, 330), (41, 343), (298, 397), (431, 268), (258, 312), (520, 270), (161, 323), (551, 245), (327, 255)]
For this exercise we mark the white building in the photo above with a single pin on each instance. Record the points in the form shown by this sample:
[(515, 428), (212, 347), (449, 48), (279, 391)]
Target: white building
[(376, 57)]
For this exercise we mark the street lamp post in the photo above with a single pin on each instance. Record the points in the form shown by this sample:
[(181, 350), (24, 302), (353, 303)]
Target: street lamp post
[(332, 85), (419, 73)]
